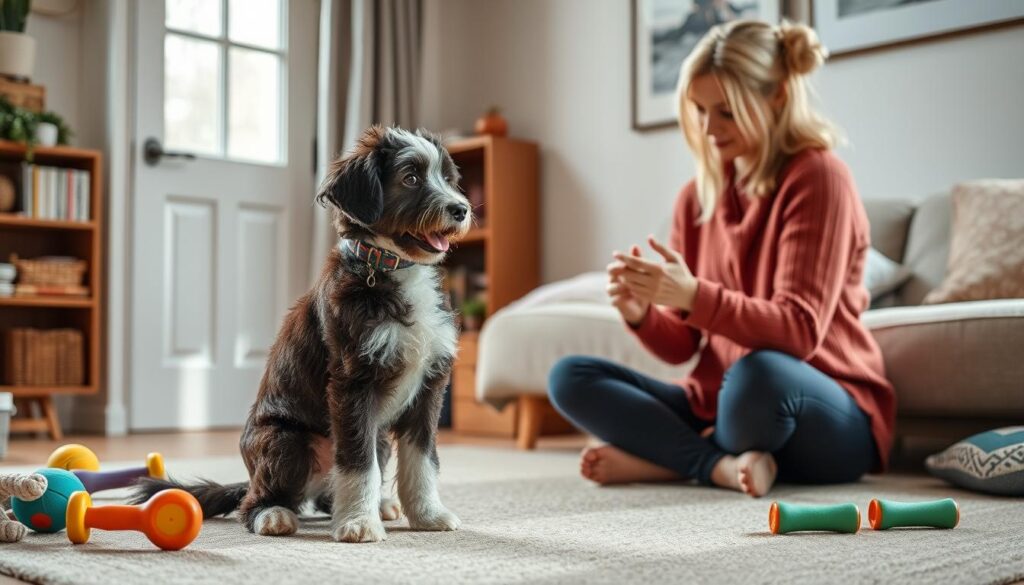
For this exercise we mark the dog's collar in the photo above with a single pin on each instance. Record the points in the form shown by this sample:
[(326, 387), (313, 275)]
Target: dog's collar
[(374, 257)]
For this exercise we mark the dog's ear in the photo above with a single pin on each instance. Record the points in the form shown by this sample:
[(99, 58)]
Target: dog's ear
[(353, 183)]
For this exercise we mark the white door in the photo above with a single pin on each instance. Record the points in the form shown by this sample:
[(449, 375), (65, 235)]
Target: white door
[(226, 89)]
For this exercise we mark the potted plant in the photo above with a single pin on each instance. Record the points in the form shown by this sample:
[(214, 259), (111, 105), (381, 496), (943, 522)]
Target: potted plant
[(17, 124), (473, 313), (20, 125), (17, 49), (51, 129)]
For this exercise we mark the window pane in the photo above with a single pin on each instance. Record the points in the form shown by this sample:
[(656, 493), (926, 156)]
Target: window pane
[(192, 94), (255, 22), (254, 112), (198, 16)]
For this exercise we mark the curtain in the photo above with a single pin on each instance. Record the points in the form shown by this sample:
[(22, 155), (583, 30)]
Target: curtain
[(369, 73)]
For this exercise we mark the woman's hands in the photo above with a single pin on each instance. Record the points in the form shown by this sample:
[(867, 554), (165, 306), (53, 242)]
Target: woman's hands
[(632, 308), (635, 282)]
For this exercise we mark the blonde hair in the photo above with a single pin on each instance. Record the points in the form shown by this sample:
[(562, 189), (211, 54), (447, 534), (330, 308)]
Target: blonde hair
[(751, 61)]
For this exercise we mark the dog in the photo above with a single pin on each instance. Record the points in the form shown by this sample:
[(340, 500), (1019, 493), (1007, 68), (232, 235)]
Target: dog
[(362, 359)]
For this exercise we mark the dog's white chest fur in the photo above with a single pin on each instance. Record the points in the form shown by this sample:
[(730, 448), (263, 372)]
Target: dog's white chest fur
[(430, 338)]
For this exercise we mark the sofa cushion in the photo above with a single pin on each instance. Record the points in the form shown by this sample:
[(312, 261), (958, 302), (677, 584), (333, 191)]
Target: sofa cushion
[(519, 347), (927, 248), (991, 462), (959, 359), (986, 259), (889, 220), (882, 275)]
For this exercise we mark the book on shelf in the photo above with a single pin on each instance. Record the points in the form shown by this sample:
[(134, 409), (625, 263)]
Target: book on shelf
[(59, 290), (58, 193)]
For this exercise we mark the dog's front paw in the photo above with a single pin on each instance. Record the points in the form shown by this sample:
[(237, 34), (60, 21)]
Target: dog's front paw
[(436, 518), (359, 530), (390, 509), (276, 521)]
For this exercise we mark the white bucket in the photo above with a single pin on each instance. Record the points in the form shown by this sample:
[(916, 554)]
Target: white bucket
[(6, 411)]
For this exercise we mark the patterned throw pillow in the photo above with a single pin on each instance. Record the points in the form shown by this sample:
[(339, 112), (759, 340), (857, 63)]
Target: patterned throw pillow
[(991, 462), (986, 249)]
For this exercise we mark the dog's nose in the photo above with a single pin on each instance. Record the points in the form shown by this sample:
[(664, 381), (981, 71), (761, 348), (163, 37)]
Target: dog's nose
[(458, 211)]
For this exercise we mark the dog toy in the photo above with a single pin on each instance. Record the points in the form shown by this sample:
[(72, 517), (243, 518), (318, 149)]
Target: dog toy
[(784, 518), (81, 461), (884, 514), (95, 481), (171, 519), (46, 513), (27, 487), (73, 456)]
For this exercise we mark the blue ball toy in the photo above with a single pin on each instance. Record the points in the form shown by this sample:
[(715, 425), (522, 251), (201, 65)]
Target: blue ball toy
[(49, 513)]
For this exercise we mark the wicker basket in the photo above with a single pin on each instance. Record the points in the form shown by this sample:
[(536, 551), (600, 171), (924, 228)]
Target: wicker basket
[(50, 271), (51, 357)]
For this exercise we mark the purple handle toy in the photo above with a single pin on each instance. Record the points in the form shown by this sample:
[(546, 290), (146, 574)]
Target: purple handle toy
[(96, 481)]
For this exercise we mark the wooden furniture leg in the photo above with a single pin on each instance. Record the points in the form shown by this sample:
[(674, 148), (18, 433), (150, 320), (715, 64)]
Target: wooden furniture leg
[(52, 421), (27, 422), (531, 413)]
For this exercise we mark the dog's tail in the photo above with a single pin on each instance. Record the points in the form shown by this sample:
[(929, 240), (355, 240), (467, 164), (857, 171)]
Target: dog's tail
[(215, 499)]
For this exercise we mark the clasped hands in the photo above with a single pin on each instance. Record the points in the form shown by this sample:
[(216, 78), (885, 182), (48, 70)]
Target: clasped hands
[(634, 282)]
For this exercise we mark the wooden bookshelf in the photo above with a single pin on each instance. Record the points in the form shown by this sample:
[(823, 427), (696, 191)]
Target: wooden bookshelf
[(32, 237), (504, 245)]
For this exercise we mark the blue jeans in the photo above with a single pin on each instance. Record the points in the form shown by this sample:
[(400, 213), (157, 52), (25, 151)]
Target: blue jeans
[(769, 401)]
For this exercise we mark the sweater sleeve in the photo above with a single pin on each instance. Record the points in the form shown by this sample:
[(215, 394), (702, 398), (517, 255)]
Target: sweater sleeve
[(663, 331), (814, 254)]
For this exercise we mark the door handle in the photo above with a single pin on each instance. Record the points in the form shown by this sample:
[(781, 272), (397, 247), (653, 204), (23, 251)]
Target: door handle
[(153, 151)]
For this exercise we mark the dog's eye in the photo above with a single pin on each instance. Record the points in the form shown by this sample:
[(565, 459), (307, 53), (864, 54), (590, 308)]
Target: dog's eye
[(410, 180)]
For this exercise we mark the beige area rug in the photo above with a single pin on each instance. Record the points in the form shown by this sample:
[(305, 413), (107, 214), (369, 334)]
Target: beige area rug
[(528, 518)]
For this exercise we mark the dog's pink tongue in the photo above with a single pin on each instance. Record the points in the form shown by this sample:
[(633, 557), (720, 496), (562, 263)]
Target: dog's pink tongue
[(438, 241)]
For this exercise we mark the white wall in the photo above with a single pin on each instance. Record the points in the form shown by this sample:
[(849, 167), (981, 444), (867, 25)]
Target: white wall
[(918, 118), (58, 62)]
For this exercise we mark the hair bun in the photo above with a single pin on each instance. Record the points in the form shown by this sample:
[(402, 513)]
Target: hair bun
[(801, 49)]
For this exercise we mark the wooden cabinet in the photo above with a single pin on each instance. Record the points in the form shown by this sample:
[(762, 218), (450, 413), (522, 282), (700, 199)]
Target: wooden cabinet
[(30, 237), (502, 252)]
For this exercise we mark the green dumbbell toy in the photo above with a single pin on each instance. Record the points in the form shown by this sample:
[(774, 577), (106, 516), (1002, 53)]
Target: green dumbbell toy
[(785, 517), (884, 514)]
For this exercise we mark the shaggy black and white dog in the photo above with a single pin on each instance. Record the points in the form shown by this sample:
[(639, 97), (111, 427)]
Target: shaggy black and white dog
[(361, 359)]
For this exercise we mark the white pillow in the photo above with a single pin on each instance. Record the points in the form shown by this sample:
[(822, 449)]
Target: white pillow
[(881, 275), (589, 287)]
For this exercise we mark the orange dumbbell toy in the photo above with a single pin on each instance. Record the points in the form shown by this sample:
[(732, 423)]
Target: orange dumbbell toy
[(81, 461), (171, 519)]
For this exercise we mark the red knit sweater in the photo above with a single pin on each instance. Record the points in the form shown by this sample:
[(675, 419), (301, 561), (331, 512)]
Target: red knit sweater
[(781, 272)]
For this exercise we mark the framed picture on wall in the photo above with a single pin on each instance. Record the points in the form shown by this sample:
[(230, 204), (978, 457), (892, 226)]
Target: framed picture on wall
[(664, 33), (847, 26)]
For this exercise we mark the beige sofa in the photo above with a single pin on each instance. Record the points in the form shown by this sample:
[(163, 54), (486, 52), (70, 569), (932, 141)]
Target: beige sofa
[(957, 368)]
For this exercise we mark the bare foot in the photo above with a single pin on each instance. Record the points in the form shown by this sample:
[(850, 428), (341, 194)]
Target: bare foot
[(608, 465), (752, 473), (756, 471)]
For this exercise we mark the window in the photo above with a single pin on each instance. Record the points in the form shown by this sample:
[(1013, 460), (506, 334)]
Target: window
[(223, 71)]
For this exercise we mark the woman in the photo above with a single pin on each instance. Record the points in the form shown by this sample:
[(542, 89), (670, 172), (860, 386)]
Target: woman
[(762, 277)]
